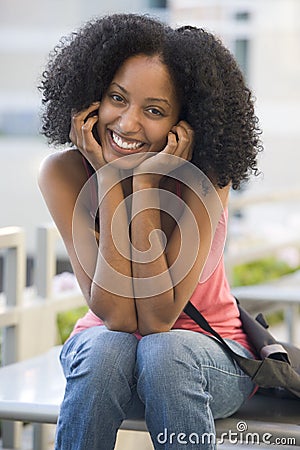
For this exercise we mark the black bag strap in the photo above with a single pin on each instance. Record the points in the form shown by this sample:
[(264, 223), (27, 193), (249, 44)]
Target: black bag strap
[(196, 315), (267, 373)]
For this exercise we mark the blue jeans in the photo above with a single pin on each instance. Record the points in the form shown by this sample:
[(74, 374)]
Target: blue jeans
[(180, 381)]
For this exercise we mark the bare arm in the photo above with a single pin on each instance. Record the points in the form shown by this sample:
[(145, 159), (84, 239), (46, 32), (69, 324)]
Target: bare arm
[(112, 291), (171, 275), (61, 180)]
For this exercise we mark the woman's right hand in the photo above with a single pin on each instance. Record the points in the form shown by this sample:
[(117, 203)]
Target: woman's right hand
[(81, 135)]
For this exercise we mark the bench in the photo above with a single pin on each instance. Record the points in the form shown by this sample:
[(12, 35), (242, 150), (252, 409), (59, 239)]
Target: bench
[(32, 382), (32, 390), (28, 316)]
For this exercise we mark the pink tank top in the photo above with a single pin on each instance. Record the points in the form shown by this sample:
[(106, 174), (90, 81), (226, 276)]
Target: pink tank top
[(212, 297)]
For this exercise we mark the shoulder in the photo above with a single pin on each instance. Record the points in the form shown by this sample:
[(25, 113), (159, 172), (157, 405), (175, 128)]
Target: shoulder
[(64, 160), (61, 178), (204, 190), (65, 166)]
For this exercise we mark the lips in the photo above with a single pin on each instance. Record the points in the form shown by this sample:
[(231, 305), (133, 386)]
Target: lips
[(125, 146)]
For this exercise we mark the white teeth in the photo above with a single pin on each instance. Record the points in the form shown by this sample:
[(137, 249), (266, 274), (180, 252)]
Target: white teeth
[(126, 145)]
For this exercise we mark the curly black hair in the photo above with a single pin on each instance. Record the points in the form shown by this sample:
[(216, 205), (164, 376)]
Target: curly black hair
[(215, 100)]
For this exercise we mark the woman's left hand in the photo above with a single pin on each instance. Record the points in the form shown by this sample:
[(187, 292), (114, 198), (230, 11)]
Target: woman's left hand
[(179, 144)]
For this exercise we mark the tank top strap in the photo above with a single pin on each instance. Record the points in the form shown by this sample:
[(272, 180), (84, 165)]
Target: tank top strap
[(92, 185), (178, 189)]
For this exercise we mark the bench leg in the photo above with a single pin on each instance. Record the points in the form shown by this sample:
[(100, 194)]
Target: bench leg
[(41, 436), (11, 434), (291, 321)]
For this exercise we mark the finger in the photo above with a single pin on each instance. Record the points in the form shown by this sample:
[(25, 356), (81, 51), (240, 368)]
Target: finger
[(190, 154), (185, 125), (82, 115), (184, 141), (171, 143), (78, 119), (89, 142)]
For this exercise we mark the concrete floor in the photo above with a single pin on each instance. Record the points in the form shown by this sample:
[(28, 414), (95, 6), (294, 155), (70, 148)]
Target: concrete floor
[(137, 440), (126, 440)]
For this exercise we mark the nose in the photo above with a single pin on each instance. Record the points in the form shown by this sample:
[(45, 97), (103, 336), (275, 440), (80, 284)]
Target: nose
[(130, 120)]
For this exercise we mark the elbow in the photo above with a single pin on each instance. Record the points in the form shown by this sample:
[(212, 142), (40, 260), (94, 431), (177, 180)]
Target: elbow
[(147, 327), (115, 319), (158, 317), (124, 326)]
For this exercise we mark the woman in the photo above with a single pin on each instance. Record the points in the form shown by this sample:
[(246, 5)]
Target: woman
[(162, 126)]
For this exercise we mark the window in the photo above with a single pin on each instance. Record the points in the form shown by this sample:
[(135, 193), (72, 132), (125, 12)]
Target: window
[(158, 3), (19, 123), (242, 16), (241, 52)]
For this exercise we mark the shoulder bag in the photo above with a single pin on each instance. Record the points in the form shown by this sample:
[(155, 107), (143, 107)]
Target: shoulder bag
[(277, 367)]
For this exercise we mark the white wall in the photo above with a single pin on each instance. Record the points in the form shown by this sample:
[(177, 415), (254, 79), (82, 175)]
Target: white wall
[(273, 30), (29, 29)]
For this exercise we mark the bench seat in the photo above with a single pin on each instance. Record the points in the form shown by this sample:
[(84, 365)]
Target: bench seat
[(32, 390)]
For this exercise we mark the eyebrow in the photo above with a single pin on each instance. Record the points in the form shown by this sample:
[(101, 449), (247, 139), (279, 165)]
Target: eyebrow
[(149, 99)]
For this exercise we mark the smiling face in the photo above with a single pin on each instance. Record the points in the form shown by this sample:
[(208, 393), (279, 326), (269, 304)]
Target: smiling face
[(138, 110)]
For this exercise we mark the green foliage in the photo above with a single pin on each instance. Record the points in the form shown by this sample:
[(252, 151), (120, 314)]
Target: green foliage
[(66, 321), (256, 272), (261, 271)]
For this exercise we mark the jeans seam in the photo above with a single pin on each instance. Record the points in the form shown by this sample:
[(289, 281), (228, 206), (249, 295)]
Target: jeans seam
[(219, 369)]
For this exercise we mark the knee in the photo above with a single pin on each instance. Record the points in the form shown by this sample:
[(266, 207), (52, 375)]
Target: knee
[(166, 366), (159, 353), (100, 350)]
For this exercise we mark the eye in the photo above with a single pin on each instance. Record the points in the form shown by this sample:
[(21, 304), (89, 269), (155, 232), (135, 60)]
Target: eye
[(117, 98), (155, 112)]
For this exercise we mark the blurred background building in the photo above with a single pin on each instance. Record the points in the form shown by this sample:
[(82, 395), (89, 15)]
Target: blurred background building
[(29, 30), (264, 36)]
